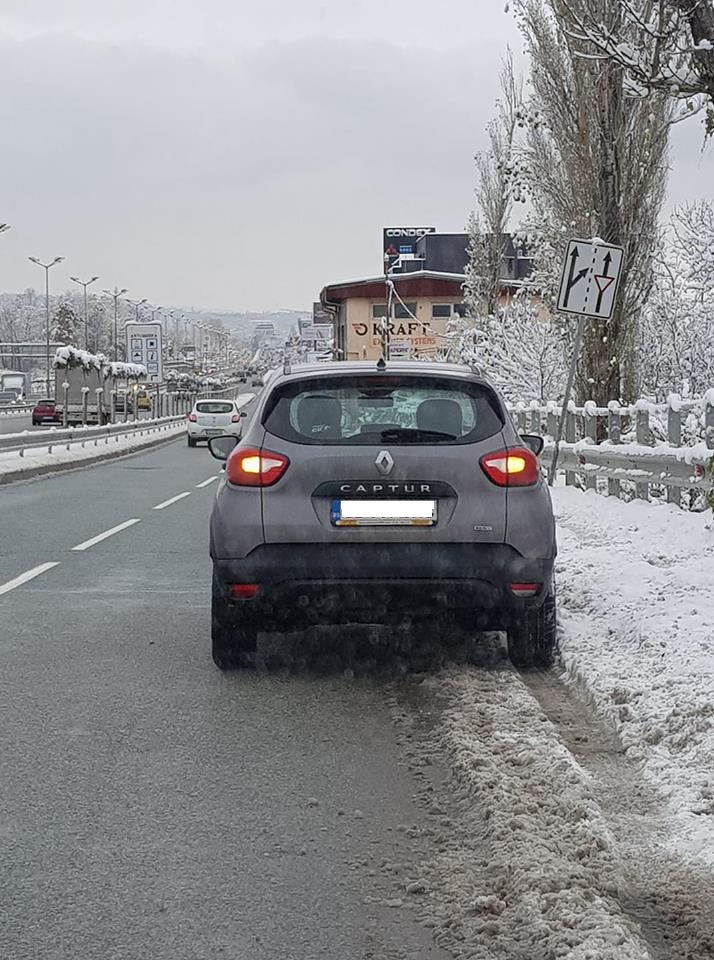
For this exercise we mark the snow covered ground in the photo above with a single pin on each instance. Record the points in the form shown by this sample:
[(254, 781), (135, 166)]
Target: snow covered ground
[(636, 593), (37, 460), (573, 812)]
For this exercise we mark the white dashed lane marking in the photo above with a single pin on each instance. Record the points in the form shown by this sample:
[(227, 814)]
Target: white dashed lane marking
[(25, 577), (167, 503), (206, 483), (107, 533)]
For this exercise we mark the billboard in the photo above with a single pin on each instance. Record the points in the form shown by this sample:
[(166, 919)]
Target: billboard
[(401, 241), (144, 345), (320, 314)]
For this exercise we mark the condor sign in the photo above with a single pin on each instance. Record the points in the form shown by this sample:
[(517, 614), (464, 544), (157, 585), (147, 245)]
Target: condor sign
[(398, 241)]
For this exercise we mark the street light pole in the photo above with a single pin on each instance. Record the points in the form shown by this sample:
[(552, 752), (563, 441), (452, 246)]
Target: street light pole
[(85, 284), (136, 304), (115, 294), (46, 268)]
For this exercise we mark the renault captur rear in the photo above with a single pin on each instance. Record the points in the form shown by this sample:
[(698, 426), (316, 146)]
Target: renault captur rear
[(365, 493)]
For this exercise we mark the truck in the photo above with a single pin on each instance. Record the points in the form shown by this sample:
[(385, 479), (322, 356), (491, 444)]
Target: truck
[(16, 382), (79, 375)]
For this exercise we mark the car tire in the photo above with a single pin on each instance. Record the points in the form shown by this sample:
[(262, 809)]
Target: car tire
[(532, 637), (233, 644), (191, 442)]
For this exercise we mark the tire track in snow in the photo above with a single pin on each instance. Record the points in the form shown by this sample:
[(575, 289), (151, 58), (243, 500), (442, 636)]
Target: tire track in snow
[(520, 862), (670, 898)]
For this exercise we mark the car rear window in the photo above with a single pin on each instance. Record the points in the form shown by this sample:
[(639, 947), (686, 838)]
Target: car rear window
[(383, 409), (214, 406)]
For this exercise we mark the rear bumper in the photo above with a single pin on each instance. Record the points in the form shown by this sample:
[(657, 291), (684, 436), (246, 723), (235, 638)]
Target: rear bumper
[(206, 433), (383, 582)]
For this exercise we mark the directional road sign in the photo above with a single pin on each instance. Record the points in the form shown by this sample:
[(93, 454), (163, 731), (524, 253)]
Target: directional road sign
[(591, 272), (143, 345)]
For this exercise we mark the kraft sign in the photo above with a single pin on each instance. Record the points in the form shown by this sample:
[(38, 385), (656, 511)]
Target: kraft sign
[(400, 328)]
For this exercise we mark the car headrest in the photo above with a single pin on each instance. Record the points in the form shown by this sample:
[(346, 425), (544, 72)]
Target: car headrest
[(320, 417), (442, 415)]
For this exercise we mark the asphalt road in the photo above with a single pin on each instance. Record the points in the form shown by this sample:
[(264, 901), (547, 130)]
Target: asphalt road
[(15, 423), (151, 807)]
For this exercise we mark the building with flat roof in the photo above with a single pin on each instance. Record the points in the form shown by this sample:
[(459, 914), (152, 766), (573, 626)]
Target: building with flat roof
[(428, 284)]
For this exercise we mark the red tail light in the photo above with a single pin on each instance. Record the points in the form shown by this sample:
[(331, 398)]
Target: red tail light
[(192, 417), (524, 590), (513, 467), (243, 591), (248, 467), (235, 418)]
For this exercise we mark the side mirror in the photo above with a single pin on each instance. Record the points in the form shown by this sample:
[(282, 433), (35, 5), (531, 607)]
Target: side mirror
[(243, 414), (222, 447), (533, 442)]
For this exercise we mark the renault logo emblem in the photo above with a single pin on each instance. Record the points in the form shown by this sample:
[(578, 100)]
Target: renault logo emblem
[(384, 463)]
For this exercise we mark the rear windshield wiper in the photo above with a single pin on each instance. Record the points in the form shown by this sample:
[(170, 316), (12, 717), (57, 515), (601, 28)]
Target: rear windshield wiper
[(413, 435)]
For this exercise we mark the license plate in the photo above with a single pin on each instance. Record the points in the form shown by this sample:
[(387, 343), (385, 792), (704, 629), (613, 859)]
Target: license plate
[(213, 433), (383, 513)]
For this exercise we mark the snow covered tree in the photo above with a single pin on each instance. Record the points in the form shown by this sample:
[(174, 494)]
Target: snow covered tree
[(596, 165), (497, 187), (677, 336), (519, 350), (660, 45), (65, 324)]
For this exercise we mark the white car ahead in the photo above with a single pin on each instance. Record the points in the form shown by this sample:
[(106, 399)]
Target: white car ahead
[(213, 418)]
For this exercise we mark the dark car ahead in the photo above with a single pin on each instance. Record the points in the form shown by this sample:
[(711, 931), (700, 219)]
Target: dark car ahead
[(360, 494), (44, 411)]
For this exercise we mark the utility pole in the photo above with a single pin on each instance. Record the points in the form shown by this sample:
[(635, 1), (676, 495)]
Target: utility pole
[(46, 267), (115, 294), (85, 284)]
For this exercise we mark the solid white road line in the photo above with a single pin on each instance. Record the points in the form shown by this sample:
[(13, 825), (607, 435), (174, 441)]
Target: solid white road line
[(206, 482), (167, 503), (107, 533), (24, 577)]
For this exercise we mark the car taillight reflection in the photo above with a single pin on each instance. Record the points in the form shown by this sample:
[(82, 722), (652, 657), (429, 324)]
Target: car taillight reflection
[(248, 467), (192, 417), (513, 467)]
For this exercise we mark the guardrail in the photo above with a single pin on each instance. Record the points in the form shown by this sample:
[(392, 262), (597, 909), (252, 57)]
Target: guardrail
[(160, 407), (64, 436), (635, 450), (19, 443)]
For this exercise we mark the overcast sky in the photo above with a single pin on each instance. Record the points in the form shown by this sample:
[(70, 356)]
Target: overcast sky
[(225, 153)]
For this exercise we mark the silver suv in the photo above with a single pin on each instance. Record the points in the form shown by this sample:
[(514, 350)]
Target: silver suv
[(376, 493)]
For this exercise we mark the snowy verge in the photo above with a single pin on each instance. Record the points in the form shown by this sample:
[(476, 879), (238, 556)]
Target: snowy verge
[(36, 461), (524, 866), (636, 609)]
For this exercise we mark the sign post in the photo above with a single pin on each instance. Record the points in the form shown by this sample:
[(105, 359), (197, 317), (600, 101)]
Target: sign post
[(588, 287)]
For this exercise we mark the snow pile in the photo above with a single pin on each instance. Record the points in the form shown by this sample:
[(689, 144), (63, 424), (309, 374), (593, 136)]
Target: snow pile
[(636, 608), (74, 357), (528, 869), (125, 371)]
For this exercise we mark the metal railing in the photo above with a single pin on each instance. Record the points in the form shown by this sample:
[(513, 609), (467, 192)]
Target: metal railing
[(56, 438), (23, 408), (646, 450)]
